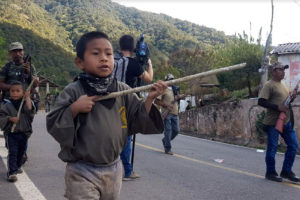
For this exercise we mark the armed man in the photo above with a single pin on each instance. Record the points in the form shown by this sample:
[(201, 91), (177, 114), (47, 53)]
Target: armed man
[(273, 96), (19, 69), (169, 103)]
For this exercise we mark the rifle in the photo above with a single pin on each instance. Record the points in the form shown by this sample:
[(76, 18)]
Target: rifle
[(168, 110), (282, 116), (26, 59)]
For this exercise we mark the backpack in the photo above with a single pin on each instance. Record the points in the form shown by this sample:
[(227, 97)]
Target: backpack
[(120, 67)]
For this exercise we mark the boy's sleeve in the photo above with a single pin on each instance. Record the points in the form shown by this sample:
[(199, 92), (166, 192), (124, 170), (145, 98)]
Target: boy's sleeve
[(60, 123), (4, 117), (31, 112), (139, 121)]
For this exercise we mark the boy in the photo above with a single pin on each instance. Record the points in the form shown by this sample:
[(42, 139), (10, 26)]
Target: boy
[(17, 140), (92, 133)]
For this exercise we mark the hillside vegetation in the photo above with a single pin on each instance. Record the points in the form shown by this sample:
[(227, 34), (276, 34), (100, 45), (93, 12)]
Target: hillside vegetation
[(49, 30)]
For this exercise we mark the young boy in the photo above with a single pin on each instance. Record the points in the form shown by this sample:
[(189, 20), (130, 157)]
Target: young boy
[(92, 133), (17, 140)]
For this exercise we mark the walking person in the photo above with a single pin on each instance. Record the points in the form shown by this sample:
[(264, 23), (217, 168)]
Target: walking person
[(35, 96), (272, 97), (169, 103), (18, 69), (94, 169), (129, 70), (17, 140), (47, 102)]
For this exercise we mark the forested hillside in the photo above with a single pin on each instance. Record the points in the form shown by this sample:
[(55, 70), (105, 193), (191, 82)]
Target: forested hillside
[(49, 30)]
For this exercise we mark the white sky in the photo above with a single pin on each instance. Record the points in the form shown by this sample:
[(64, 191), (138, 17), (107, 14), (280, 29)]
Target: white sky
[(232, 16)]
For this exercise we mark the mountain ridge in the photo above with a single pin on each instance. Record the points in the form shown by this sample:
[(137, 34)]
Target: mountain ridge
[(63, 22)]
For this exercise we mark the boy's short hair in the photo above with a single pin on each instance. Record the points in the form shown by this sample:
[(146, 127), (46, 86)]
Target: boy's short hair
[(84, 39), (126, 43), (14, 83)]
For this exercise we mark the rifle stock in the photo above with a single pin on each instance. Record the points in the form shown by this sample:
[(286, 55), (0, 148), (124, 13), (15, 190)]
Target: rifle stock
[(280, 122), (282, 116)]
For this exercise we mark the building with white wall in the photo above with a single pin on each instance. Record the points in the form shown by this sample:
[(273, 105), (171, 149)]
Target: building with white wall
[(289, 54)]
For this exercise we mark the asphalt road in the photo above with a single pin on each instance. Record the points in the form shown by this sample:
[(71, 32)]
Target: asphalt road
[(191, 174)]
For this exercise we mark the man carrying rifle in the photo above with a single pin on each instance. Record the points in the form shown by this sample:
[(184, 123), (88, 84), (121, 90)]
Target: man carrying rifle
[(19, 69), (273, 97)]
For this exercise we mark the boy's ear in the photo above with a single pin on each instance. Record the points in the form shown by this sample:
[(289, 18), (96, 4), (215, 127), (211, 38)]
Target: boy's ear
[(79, 63)]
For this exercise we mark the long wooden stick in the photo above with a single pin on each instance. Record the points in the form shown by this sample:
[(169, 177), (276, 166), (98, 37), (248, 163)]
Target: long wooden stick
[(172, 82), (21, 105)]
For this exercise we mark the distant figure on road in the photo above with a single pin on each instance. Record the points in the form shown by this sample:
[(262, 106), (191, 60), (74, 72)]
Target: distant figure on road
[(47, 102), (93, 133), (169, 103), (35, 96), (273, 95), (17, 140)]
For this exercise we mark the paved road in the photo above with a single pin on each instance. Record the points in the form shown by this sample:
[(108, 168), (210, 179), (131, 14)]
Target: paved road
[(191, 174)]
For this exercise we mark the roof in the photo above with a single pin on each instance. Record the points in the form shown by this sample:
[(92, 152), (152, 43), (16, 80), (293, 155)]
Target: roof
[(44, 80), (288, 48)]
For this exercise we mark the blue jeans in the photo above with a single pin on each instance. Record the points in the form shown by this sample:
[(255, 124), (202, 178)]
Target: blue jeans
[(17, 143), (290, 138), (125, 157), (36, 104), (171, 130)]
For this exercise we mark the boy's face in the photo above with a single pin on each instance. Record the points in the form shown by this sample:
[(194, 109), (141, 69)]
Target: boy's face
[(98, 58), (16, 92)]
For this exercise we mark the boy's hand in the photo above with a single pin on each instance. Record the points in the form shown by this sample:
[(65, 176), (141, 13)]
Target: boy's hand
[(83, 105), (15, 120), (27, 94), (157, 89), (36, 82)]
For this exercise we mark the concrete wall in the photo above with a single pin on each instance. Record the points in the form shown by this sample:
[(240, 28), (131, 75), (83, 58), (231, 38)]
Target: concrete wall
[(232, 122)]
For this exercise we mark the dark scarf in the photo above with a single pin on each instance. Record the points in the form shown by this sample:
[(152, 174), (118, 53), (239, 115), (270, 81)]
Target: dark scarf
[(98, 86), (16, 103)]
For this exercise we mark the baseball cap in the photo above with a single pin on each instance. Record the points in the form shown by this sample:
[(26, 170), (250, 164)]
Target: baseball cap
[(278, 65), (15, 45), (169, 77)]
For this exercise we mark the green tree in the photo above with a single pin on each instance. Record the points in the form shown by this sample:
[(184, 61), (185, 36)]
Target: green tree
[(2, 51), (241, 49)]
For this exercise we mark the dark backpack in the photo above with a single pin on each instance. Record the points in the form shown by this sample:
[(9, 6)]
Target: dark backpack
[(120, 67)]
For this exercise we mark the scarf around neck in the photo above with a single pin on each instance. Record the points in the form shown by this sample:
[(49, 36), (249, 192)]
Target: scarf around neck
[(98, 86), (16, 103)]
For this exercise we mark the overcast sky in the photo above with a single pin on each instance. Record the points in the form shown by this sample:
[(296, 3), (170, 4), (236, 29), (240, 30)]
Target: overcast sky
[(232, 16)]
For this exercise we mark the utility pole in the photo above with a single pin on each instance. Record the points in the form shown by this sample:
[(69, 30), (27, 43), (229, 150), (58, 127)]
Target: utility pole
[(266, 59)]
